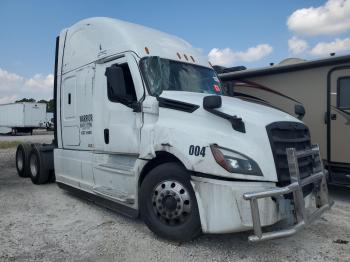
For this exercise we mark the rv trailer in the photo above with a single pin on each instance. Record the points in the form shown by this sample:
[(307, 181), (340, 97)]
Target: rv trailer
[(321, 87), (22, 117), (141, 126)]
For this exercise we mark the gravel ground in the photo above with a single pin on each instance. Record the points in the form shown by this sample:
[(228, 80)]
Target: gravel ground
[(39, 136), (45, 223)]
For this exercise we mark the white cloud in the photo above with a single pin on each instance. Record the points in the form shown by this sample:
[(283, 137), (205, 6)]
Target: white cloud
[(227, 57), (40, 83), (336, 46), (14, 86), (331, 18), (8, 99), (9, 80), (297, 45)]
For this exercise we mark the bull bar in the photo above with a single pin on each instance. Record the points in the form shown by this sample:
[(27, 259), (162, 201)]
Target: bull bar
[(301, 218)]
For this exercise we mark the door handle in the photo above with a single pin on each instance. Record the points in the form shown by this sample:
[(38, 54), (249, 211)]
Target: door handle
[(333, 116), (106, 135)]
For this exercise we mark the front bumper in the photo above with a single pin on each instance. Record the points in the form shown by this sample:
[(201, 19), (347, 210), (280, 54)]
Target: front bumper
[(229, 206), (301, 216)]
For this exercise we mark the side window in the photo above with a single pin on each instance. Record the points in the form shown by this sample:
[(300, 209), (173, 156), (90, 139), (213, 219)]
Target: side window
[(344, 93), (120, 86)]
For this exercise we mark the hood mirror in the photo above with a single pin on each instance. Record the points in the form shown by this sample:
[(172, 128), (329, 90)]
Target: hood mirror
[(299, 110), (212, 102)]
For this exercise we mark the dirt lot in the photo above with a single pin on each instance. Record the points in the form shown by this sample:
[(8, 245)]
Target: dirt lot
[(39, 136), (49, 224)]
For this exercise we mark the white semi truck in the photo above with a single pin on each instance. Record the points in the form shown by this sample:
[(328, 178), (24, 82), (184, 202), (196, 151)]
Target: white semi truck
[(142, 127), (22, 117)]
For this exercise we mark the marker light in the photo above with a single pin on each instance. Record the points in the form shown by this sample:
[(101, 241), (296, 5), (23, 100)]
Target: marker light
[(147, 50), (216, 88)]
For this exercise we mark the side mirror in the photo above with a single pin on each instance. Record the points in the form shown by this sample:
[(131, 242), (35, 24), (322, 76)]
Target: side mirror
[(299, 110), (116, 84), (212, 102)]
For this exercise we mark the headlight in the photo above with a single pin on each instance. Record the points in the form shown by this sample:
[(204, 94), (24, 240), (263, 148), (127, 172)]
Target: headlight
[(235, 162)]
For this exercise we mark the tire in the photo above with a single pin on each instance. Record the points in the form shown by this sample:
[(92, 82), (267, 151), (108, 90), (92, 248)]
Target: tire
[(37, 171), (167, 187), (52, 177), (22, 159)]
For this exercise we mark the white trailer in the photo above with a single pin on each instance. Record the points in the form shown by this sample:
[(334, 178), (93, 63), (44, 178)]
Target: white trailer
[(22, 117), (142, 127)]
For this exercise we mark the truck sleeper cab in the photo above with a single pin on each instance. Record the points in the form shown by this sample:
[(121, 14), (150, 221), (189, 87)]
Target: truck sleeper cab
[(142, 126)]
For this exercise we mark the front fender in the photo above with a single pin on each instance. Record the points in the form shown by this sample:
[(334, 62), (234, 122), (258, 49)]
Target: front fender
[(169, 136)]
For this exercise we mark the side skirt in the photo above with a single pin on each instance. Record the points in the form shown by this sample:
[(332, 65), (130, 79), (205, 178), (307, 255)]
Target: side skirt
[(127, 211)]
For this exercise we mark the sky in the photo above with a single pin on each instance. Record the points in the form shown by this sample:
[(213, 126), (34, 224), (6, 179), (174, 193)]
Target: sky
[(252, 33)]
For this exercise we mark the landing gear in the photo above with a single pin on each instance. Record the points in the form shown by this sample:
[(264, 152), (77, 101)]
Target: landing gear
[(14, 131)]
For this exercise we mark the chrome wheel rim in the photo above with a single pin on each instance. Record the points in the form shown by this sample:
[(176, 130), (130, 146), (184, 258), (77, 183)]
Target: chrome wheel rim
[(20, 161), (34, 165), (171, 202)]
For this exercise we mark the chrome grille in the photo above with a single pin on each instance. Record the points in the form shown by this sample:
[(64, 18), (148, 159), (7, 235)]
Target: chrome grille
[(285, 135)]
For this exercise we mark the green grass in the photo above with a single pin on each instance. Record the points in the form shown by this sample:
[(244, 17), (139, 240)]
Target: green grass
[(9, 144)]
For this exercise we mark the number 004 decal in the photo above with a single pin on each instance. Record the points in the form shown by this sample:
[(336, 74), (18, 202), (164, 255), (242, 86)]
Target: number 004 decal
[(196, 150)]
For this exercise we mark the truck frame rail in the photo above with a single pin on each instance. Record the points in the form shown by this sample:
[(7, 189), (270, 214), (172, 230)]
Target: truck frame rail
[(301, 217)]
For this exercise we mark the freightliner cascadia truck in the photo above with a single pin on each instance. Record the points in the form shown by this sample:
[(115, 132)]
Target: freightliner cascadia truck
[(142, 127)]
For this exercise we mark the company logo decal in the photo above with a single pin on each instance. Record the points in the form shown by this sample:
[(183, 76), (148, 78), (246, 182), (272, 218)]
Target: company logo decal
[(86, 124)]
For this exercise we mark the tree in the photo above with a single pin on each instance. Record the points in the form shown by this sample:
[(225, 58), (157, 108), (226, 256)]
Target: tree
[(25, 100), (51, 106)]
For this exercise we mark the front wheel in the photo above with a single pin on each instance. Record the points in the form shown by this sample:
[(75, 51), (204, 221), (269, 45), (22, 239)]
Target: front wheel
[(168, 203)]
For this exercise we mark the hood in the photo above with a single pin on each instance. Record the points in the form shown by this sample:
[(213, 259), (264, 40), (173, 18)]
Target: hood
[(213, 129), (248, 111)]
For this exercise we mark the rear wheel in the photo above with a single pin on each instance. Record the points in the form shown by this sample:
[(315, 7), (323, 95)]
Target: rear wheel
[(37, 170), (168, 204), (22, 160)]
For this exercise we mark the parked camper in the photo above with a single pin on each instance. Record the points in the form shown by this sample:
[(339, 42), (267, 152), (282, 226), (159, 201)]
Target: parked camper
[(319, 89), (22, 117), (142, 127)]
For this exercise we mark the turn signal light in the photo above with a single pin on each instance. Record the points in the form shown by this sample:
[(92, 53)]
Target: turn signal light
[(219, 157)]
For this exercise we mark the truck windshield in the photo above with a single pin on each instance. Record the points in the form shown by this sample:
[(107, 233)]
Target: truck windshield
[(169, 75)]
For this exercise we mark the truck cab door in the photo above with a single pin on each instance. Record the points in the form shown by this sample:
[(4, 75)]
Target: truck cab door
[(119, 125), (339, 121), (119, 89)]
